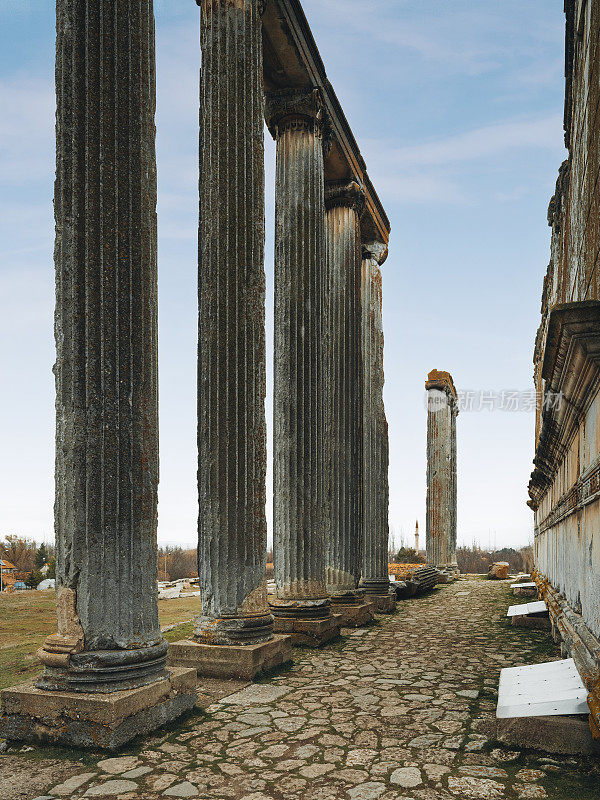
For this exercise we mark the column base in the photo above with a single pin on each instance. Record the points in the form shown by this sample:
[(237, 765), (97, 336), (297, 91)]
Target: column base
[(354, 616), (384, 603), (229, 660), (309, 632), (94, 720)]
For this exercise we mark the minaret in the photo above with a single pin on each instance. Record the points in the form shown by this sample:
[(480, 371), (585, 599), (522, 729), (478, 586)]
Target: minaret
[(417, 537)]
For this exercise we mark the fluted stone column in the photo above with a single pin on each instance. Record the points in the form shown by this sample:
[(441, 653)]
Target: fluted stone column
[(108, 636), (441, 471), (375, 578), (301, 605), (344, 202), (233, 635)]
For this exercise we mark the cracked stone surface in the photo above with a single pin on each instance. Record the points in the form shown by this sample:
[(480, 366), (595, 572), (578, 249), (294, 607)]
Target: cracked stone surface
[(400, 711)]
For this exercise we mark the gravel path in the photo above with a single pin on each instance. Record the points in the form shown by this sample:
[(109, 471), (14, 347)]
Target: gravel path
[(398, 711)]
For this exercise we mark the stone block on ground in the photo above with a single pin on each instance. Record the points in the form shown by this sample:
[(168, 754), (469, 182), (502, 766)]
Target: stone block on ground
[(499, 571), (309, 632), (566, 734), (232, 661), (353, 616)]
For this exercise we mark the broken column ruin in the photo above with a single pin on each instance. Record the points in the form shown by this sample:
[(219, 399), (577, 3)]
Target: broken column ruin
[(233, 634), (375, 578), (345, 201), (442, 410), (301, 605), (105, 679)]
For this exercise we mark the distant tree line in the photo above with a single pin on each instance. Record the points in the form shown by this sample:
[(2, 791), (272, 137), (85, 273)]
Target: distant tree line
[(28, 558), (475, 559)]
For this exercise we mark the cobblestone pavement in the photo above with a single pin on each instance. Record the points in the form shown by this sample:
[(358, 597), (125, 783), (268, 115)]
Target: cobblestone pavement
[(397, 711)]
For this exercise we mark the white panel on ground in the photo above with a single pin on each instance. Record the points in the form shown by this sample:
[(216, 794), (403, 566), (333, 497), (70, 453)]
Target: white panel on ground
[(541, 690), (531, 585), (526, 608)]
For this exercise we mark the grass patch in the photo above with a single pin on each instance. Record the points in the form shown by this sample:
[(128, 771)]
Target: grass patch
[(184, 631)]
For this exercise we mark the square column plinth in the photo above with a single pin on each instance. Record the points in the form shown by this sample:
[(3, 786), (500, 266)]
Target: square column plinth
[(354, 615), (309, 632), (384, 603), (95, 720), (232, 661)]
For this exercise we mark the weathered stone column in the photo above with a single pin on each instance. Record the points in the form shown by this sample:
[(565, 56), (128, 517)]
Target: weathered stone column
[(375, 578), (301, 606), (108, 637), (344, 202), (234, 632), (441, 471)]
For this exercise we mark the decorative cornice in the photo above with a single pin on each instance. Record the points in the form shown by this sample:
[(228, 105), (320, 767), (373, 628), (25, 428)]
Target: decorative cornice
[(438, 379), (348, 194), (571, 370), (375, 251), (293, 108)]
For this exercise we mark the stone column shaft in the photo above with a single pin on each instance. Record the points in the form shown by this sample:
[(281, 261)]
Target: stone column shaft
[(231, 340), (344, 203), (375, 578), (441, 468), (106, 344), (298, 413)]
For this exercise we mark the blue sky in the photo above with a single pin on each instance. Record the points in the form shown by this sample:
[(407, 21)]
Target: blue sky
[(457, 108)]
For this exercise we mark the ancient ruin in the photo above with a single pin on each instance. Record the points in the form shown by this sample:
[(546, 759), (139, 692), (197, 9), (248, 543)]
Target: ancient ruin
[(565, 483), (105, 677), (330, 440), (440, 533)]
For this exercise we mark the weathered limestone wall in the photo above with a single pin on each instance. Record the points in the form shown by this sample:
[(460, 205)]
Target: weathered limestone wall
[(441, 470), (565, 483)]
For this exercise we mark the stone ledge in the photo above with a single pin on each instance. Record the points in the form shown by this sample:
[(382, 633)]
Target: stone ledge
[(309, 632), (90, 720), (231, 661)]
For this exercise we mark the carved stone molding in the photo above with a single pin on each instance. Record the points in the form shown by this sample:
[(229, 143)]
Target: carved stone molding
[(438, 379), (294, 108), (348, 194), (376, 251), (571, 370)]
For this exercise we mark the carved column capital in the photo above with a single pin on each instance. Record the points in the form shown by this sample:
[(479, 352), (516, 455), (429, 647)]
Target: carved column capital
[(375, 251), (294, 108), (346, 193)]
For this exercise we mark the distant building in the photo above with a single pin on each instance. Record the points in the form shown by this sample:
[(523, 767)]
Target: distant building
[(8, 572)]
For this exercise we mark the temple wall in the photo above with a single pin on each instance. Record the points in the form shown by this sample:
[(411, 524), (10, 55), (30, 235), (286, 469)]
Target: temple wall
[(565, 483)]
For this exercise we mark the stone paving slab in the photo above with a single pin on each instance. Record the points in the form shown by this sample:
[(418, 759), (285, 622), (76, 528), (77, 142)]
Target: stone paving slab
[(403, 711)]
